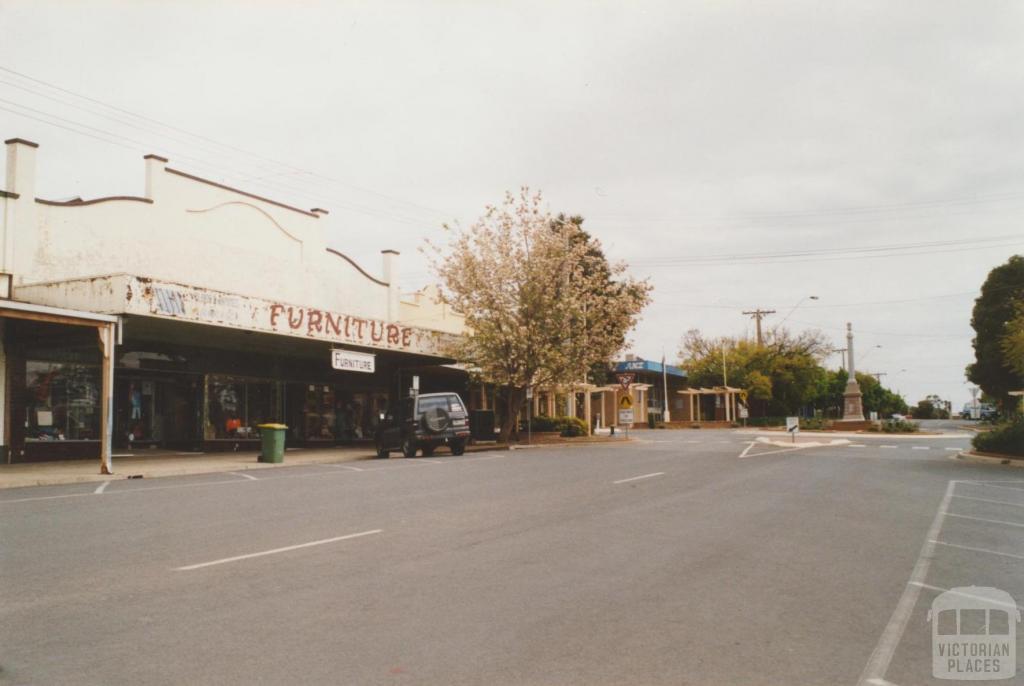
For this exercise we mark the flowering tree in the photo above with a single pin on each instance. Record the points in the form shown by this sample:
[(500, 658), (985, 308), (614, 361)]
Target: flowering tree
[(541, 302)]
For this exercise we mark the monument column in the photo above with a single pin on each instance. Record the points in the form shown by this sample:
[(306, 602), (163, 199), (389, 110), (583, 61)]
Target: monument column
[(853, 409)]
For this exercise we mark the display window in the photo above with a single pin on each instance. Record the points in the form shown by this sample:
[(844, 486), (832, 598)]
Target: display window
[(62, 401), (237, 406)]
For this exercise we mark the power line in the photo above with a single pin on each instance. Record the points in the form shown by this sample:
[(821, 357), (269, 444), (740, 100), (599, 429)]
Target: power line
[(142, 146), (228, 146)]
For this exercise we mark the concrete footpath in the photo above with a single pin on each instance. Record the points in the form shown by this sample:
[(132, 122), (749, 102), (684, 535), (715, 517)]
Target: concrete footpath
[(151, 464), (156, 463)]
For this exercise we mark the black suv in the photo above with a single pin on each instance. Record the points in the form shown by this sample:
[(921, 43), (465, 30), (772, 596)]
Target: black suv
[(423, 423)]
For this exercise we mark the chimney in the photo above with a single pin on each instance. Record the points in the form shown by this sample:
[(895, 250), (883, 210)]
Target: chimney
[(19, 227), (155, 166), (391, 276), (21, 167)]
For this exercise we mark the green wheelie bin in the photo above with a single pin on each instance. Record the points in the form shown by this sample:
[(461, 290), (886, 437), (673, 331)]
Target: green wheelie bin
[(273, 442)]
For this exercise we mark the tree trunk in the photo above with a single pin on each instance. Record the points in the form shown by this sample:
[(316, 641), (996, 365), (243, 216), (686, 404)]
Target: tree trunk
[(514, 402)]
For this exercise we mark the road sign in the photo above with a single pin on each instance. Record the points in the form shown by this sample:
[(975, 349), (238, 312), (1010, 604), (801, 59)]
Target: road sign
[(626, 402), (625, 380), (626, 417), (529, 392), (793, 425), (744, 412)]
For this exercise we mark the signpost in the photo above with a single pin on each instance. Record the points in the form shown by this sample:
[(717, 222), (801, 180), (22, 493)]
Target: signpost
[(529, 415), (793, 426), (626, 412)]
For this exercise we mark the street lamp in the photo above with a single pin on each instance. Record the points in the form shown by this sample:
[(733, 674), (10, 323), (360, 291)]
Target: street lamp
[(802, 301)]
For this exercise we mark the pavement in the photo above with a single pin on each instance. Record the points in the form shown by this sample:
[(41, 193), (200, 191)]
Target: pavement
[(677, 558)]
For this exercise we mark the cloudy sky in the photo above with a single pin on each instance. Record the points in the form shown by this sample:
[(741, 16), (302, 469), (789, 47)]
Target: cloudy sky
[(739, 154)]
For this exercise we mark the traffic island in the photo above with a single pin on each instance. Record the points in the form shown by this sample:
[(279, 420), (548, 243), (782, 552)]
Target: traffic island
[(990, 458)]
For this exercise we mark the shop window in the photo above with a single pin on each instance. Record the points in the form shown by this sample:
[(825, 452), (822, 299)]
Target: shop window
[(238, 406), (62, 401)]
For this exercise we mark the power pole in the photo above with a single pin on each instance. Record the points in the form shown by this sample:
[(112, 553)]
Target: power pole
[(759, 314)]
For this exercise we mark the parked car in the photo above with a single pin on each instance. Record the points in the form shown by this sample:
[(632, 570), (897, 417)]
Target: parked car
[(424, 422)]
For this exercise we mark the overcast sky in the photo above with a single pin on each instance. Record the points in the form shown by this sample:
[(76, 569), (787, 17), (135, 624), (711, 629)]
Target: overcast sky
[(681, 131)]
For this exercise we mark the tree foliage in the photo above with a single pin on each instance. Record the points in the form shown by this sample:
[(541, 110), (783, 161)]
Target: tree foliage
[(995, 312), (783, 377), (1012, 342), (780, 377), (541, 302)]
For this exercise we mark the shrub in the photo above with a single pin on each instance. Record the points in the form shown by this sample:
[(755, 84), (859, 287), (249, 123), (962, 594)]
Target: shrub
[(572, 426), (898, 426), (766, 421), (1007, 439), (566, 426), (814, 423)]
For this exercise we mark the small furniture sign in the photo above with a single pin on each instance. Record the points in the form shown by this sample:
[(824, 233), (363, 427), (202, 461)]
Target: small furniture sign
[(351, 361)]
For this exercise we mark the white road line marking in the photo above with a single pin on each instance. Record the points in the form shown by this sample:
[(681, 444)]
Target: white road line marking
[(775, 452), (880, 682), (990, 521), (891, 447), (882, 655), (856, 445), (979, 550), (747, 449), (102, 487), (940, 589), (244, 475), (423, 460), (955, 450), (342, 466), (636, 478), (987, 500), (992, 485), (921, 447), (286, 549)]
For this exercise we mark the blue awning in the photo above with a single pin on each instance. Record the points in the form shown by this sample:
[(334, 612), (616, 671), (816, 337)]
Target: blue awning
[(648, 366)]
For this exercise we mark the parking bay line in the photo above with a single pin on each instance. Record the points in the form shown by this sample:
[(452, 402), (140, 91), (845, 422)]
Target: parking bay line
[(250, 477), (989, 500), (982, 519), (891, 636), (102, 487), (275, 551), (979, 550), (637, 478)]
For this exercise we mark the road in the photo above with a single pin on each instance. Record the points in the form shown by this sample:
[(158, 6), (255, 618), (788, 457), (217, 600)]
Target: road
[(667, 560)]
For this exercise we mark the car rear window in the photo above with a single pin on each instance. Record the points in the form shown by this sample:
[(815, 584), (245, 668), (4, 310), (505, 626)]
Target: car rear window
[(447, 402)]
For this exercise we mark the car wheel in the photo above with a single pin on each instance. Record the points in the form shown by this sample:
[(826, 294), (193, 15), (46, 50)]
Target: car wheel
[(458, 447), (382, 451), (409, 448)]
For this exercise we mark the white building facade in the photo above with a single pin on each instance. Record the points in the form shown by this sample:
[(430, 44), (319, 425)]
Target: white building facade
[(227, 307)]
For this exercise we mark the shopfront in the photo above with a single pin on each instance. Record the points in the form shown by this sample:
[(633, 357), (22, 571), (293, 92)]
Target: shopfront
[(230, 309)]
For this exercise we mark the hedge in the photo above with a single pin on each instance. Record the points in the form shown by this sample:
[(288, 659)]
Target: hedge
[(566, 426), (1007, 439)]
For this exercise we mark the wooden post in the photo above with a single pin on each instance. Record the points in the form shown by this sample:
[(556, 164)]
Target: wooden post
[(107, 334), (586, 410)]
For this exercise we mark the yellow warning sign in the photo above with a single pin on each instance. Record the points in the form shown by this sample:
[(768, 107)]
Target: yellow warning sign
[(626, 402)]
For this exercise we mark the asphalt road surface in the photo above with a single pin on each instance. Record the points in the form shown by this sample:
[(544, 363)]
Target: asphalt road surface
[(667, 560)]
